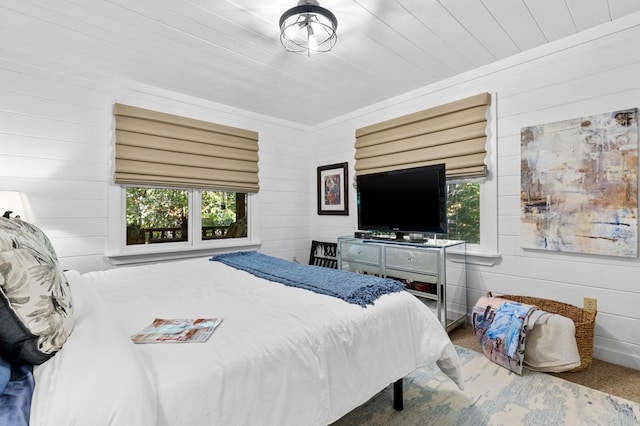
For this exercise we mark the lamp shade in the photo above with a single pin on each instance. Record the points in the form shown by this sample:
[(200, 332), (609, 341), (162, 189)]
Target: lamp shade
[(16, 204), (308, 28)]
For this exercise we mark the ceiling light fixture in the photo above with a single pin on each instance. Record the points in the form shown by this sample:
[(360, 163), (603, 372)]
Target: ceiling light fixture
[(308, 28)]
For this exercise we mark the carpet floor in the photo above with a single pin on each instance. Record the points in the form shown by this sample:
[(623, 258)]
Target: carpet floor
[(600, 375), (493, 395)]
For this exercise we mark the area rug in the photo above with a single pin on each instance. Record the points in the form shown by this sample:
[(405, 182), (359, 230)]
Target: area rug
[(493, 395)]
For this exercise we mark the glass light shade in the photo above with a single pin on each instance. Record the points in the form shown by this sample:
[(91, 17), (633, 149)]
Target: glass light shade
[(17, 203), (308, 28)]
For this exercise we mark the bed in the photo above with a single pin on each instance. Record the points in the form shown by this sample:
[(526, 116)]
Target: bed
[(282, 355)]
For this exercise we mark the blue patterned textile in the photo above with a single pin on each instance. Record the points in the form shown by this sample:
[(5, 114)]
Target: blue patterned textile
[(500, 326), (353, 288), (5, 374), (507, 324), (15, 400)]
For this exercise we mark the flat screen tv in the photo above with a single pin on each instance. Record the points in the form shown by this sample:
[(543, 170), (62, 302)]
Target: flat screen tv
[(403, 201)]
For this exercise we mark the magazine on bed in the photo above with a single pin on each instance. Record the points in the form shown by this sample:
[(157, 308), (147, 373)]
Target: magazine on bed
[(177, 330)]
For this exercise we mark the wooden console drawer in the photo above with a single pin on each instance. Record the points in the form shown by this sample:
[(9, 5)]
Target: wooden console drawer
[(420, 260)]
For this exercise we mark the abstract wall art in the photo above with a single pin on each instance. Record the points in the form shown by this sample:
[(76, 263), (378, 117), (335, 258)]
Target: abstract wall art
[(579, 185)]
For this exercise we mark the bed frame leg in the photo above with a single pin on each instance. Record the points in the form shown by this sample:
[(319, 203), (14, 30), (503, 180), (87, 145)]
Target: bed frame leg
[(398, 403)]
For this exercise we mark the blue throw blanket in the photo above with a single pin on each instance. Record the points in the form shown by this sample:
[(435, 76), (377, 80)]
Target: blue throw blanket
[(354, 288)]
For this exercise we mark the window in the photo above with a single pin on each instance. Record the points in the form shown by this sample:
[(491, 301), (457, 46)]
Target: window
[(461, 134), (156, 215), (463, 211), (155, 223), (472, 209), (224, 215), (161, 215), (183, 187)]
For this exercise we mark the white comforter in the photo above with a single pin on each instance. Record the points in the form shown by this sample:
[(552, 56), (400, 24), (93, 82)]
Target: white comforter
[(282, 356)]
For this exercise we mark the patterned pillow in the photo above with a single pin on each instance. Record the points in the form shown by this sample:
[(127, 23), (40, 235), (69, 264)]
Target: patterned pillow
[(36, 313)]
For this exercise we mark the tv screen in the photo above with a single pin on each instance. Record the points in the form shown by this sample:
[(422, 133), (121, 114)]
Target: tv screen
[(403, 201)]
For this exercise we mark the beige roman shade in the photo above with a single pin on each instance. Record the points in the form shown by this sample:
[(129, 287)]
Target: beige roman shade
[(454, 133), (158, 149)]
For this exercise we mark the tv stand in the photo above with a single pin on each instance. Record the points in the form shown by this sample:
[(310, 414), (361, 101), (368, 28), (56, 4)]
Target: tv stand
[(425, 269)]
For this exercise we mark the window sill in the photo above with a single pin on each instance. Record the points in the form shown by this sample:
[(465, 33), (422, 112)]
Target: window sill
[(476, 258), (157, 254)]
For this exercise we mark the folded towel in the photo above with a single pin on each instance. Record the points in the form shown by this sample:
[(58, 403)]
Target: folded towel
[(551, 345)]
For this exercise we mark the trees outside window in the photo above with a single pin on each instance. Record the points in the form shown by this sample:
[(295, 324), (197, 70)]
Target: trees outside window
[(161, 215), (224, 215), (463, 212)]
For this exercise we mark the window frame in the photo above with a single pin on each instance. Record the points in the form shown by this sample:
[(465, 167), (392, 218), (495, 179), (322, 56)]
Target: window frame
[(465, 181), (118, 252), (486, 253)]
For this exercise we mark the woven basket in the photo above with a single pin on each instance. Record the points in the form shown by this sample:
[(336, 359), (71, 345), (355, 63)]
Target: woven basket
[(583, 320)]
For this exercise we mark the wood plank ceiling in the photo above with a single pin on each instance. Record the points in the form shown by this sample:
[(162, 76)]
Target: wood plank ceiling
[(229, 51)]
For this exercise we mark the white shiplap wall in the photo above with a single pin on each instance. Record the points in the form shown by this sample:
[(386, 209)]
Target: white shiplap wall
[(595, 72), (56, 146)]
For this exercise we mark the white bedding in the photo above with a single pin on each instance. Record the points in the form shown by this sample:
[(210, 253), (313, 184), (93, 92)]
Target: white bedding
[(282, 355)]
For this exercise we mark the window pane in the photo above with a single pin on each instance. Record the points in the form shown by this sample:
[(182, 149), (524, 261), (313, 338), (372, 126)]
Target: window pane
[(463, 212), (224, 215), (156, 215)]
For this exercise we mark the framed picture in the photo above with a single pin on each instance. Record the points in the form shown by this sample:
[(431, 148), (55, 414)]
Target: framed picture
[(333, 192)]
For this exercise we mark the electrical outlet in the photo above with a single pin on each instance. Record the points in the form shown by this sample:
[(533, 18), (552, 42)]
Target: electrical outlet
[(590, 305)]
